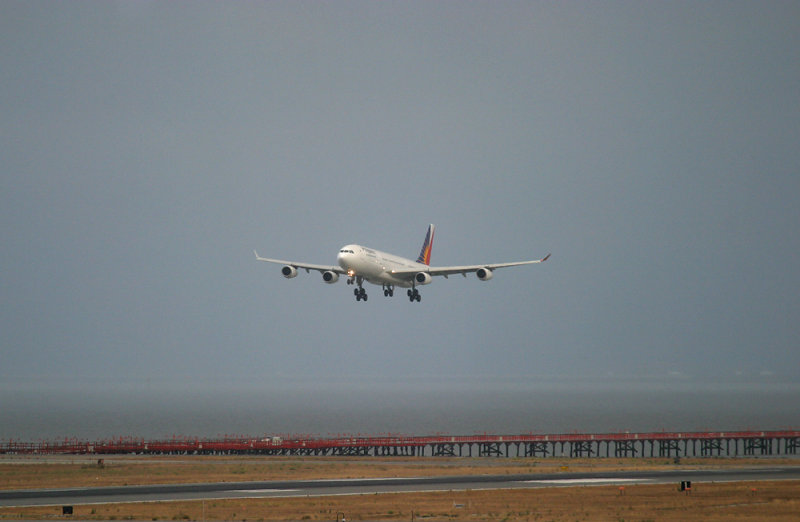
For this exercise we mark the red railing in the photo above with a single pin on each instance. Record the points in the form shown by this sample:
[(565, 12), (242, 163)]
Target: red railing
[(290, 442)]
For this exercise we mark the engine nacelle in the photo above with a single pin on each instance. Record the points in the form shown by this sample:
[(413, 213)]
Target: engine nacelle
[(423, 278), (289, 271), (330, 277), (484, 274)]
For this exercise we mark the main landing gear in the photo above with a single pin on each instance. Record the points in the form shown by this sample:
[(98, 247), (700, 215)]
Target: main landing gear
[(359, 292), (388, 290)]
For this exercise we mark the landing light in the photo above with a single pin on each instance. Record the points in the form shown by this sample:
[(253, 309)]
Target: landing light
[(351, 272)]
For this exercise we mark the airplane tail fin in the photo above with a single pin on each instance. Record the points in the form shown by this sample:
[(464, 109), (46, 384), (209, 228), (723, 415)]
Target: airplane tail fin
[(427, 247)]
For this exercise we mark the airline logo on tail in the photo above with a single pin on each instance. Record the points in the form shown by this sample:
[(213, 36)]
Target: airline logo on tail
[(427, 246)]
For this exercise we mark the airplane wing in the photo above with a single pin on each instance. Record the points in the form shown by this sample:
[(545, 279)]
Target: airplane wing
[(306, 266), (466, 269)]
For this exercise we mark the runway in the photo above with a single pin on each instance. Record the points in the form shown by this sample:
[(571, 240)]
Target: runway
[(229, 490)]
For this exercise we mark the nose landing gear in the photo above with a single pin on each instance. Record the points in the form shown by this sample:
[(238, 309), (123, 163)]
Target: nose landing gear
[(388, 290)]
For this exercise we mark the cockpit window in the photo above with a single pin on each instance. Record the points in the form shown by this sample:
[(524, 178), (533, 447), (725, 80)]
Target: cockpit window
[(345, 251)]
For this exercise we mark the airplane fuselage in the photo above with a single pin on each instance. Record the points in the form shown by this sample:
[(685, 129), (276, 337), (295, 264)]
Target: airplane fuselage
[(376, 266)]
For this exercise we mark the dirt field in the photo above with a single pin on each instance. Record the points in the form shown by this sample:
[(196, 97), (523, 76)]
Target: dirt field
[(21, 472), (775, 500)]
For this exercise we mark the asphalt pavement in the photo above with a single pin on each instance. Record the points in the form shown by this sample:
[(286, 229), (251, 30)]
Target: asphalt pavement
[(265, 489)]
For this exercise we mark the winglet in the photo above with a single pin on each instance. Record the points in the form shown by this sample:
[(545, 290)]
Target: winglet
[(427, 247), (545, 258)]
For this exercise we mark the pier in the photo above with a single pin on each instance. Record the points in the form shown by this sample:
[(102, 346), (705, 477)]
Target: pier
[(571, 445)]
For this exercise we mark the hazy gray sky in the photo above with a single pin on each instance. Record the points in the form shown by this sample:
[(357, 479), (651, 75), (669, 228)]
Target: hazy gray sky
[(147, 148)]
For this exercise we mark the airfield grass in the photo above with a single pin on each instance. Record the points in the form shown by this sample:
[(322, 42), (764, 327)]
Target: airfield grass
[(761, 500)]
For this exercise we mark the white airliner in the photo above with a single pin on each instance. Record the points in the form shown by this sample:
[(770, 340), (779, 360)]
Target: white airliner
[(361, 264)]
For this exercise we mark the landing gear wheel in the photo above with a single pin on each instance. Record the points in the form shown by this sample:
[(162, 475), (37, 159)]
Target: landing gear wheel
[(360, 294)]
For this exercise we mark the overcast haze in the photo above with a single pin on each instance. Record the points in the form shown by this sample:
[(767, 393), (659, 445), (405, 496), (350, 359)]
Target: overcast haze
[(147, 148)]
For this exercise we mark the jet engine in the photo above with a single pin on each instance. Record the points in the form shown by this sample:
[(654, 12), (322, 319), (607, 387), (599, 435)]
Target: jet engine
[(330, 277), (484, 274), (423, 278), (289, 271)]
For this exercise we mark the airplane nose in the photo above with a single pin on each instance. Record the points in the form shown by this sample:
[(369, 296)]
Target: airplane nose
[(341, 259)]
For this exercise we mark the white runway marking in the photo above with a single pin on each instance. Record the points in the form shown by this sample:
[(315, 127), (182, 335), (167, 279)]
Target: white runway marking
[(264, 490), (586, 481)]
